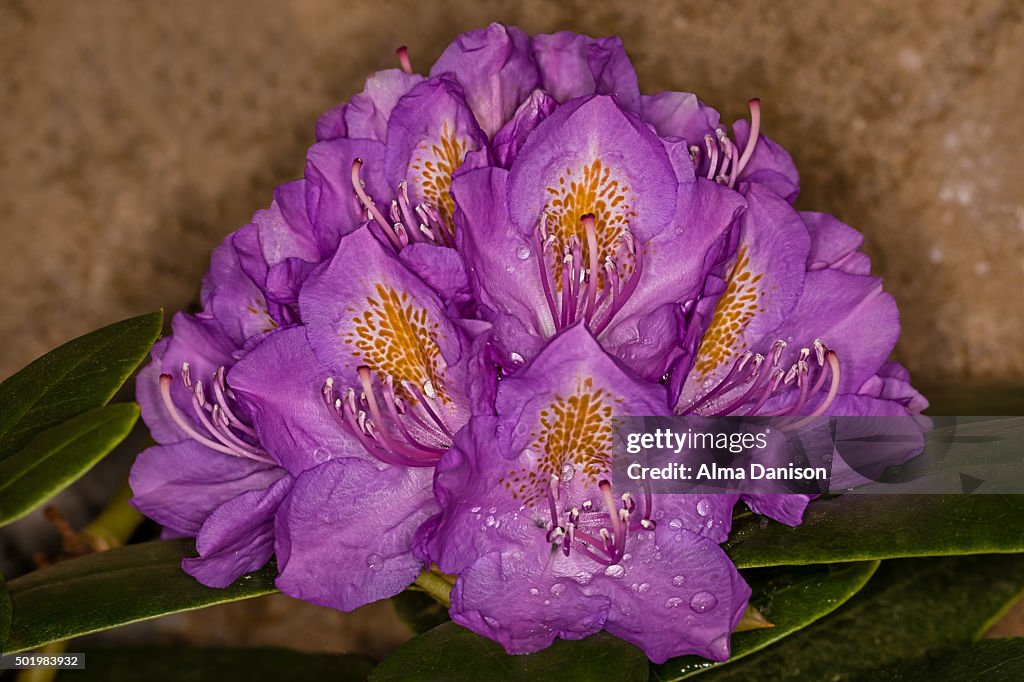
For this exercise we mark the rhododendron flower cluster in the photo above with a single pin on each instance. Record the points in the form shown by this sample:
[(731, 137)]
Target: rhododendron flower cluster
[(413, 356)]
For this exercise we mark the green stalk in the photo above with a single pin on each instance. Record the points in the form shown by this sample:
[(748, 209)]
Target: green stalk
[(437, 585)]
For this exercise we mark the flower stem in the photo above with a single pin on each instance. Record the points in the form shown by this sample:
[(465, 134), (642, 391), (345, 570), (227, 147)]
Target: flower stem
[(115, 524), (437, 585)]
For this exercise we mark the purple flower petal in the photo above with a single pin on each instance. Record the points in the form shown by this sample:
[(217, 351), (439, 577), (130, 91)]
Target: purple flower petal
[(572, 65), (238, 537), (344, 534), (368, 113), (180, 485), (196, 339), (622, 172), (429, 135), (281, 385), (681, 595), (770, 165), (511, 138), (493, 65), (333, 206), (834, 245), (680, 114), (763, 283)]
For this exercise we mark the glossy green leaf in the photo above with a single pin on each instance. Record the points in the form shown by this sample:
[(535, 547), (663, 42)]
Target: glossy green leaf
[(912, 610), (984, 399), (120, 586), (791, 598), (868, 527), (181, 664), (993, 660), (56, 458), (5, 615), (80, 375), (450, 652), (419, 610)]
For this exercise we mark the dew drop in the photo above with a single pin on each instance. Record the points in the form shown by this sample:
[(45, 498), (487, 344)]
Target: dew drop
[(679, 580), (321, 455), (568, 471), (675, 524), (643, 587), (523, 252), (516, 358), (375, 562), (703, 602), (492, 522), (475, 510), (673, 602), (557, 590), (614, 571), (703, 507), (493, 622), (534, 591), (584, 578)]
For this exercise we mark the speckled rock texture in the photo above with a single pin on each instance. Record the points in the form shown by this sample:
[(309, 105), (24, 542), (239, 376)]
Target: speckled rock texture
[(134, 136)]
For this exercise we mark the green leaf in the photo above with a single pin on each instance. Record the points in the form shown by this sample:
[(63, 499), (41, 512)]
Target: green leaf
[(791, 599), (983, 399), (5, 615), (56, 458), (911, 610), (868, 527), (419, 610), (181, 664), (450, 652), (993, 660), (80, 375), (120, 586)]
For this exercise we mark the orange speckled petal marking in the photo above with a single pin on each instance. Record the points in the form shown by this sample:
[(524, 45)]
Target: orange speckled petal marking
[(394, 336)]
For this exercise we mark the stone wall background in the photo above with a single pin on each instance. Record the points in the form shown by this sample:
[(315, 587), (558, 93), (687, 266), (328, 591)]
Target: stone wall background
[(134, 136)]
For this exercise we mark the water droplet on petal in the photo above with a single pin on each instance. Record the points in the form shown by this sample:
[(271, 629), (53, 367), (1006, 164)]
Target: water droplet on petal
[(321, 455), (568, 471), (703, 507), (475, 509), (584, 578), (493, 622), (523, 252), (428, 389), (703, 602), (673, 602), (375, 562), (679, 580), (516, 358), (614, 571), (643, 587), (675, 524), (534, 590), (557, 590)]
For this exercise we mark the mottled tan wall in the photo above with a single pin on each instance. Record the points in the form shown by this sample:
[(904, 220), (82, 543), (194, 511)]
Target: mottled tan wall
[(133, 136)]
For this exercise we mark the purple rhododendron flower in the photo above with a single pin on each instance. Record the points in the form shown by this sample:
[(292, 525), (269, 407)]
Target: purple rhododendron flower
[(415, 353)]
